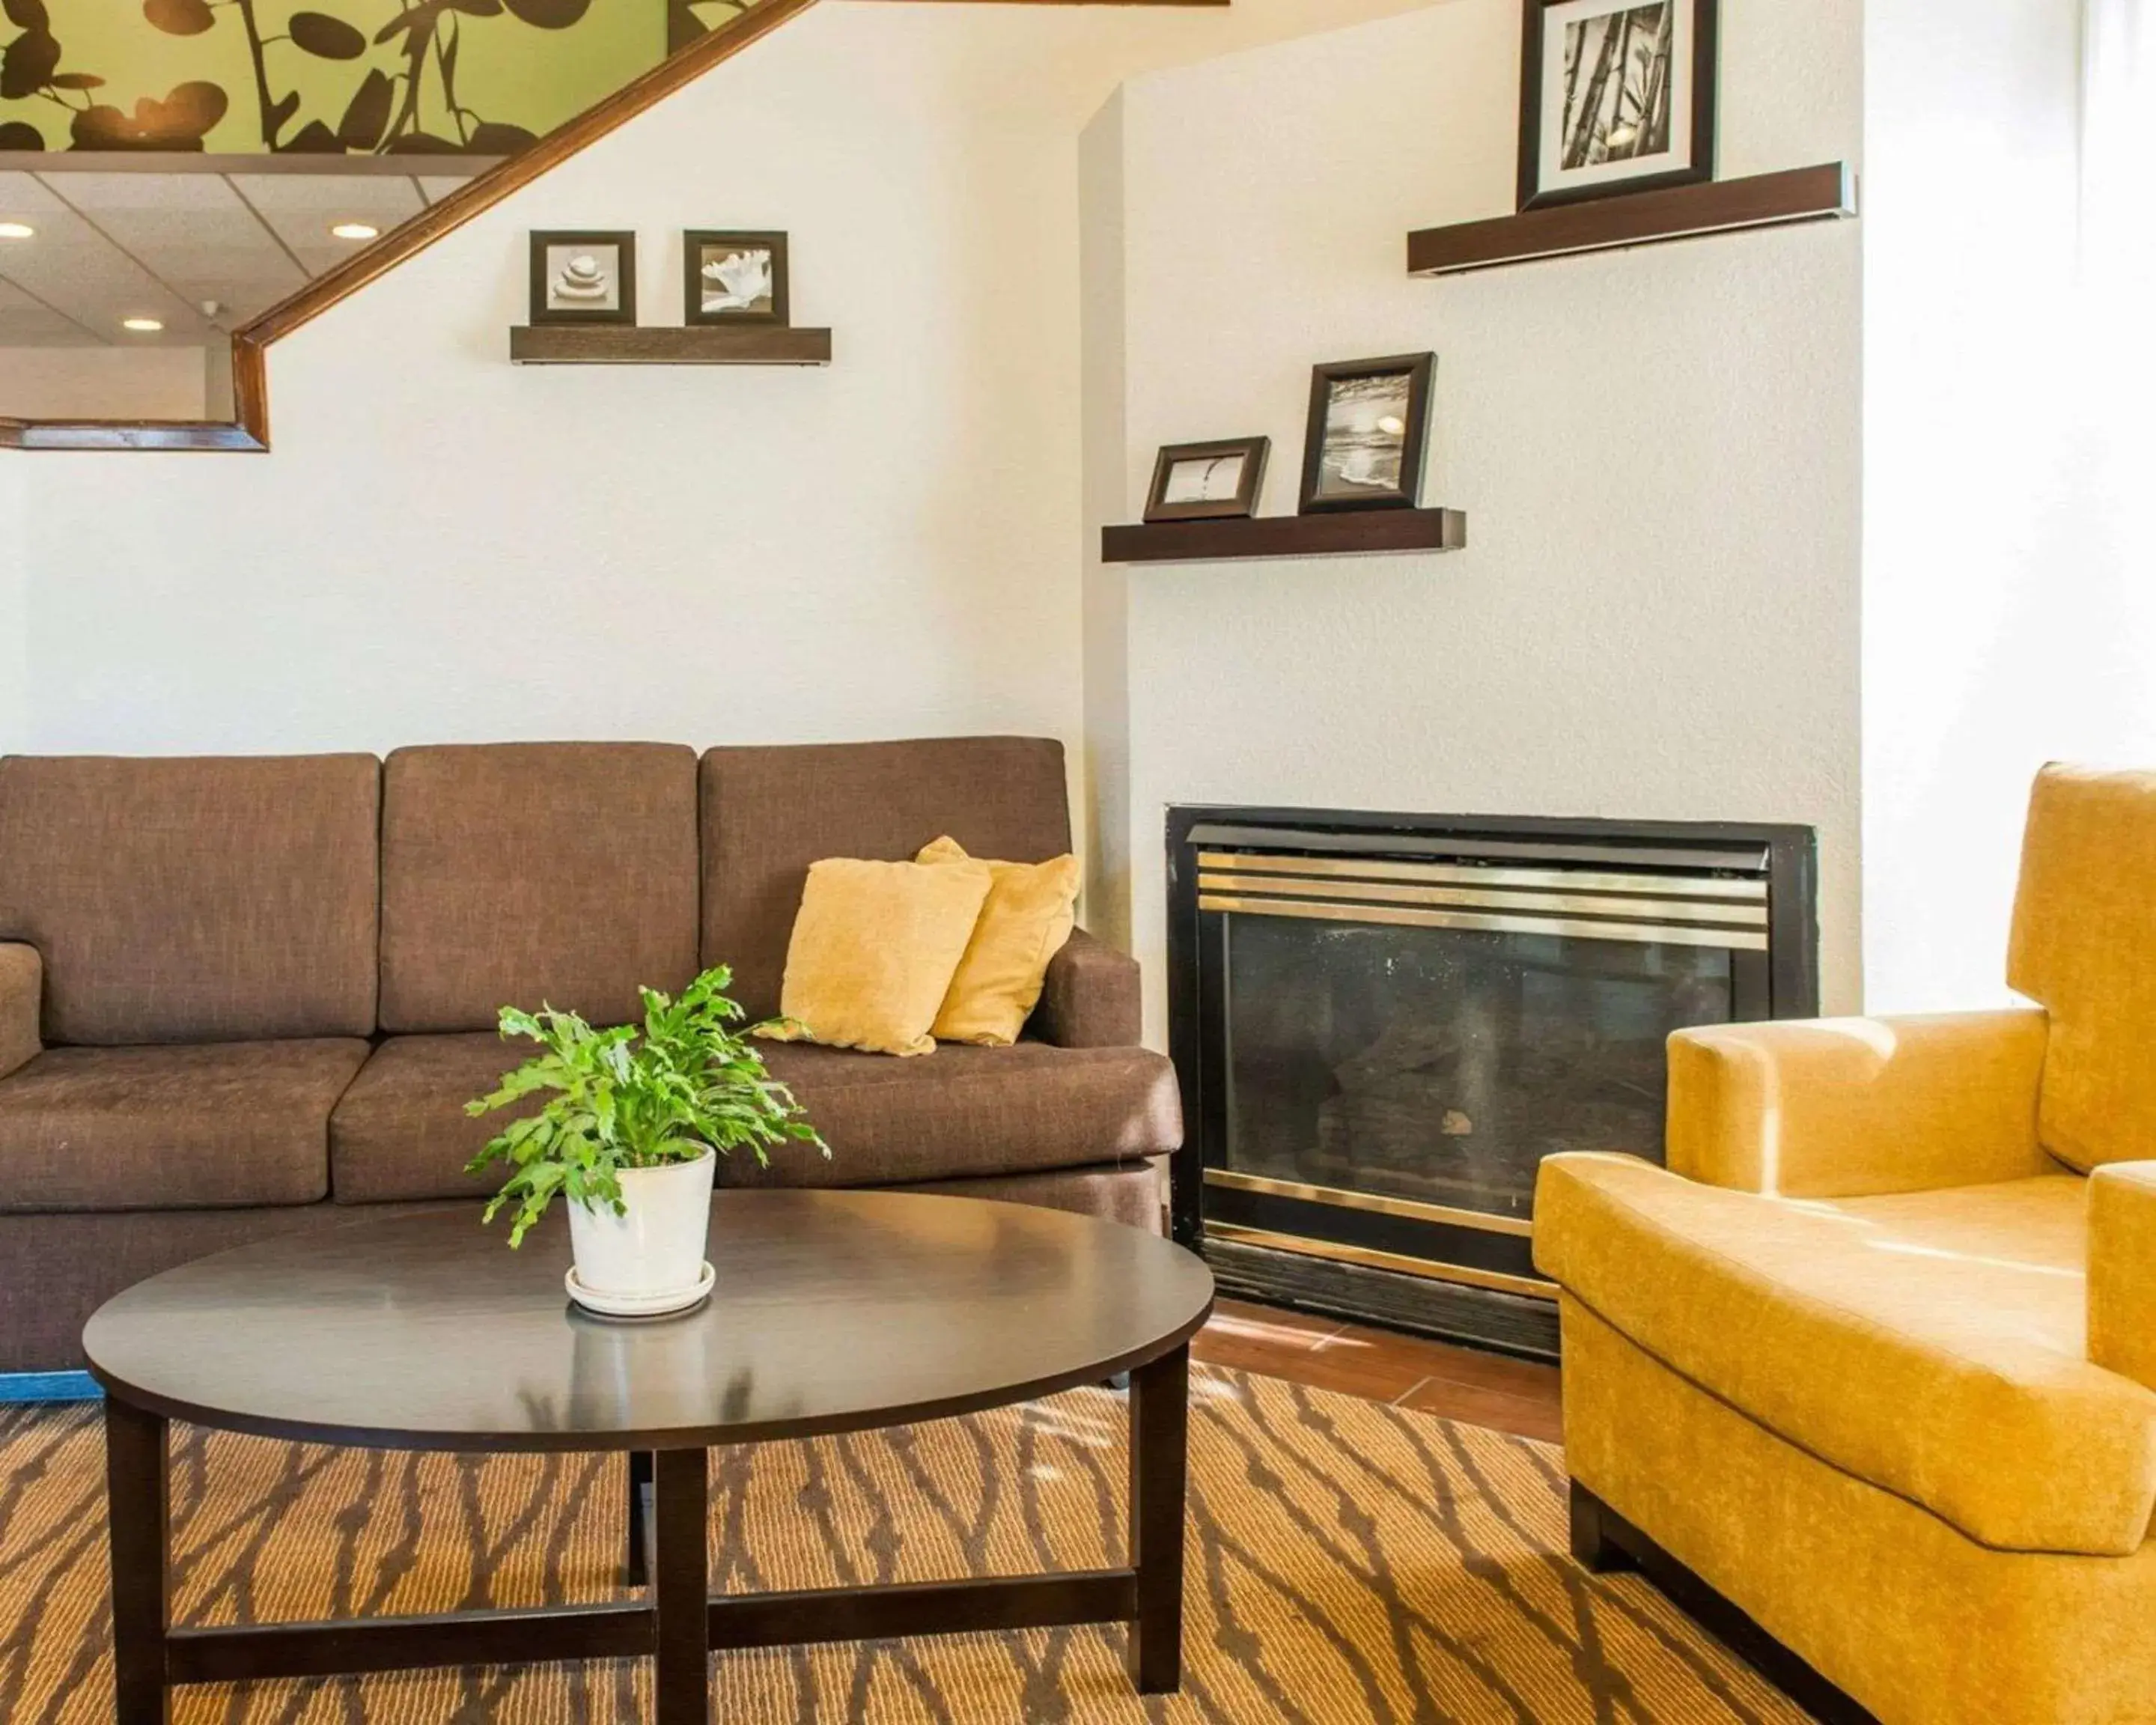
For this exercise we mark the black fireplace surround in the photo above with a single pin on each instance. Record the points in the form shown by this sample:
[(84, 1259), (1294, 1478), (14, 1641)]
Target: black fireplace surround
[(1382, 1023)]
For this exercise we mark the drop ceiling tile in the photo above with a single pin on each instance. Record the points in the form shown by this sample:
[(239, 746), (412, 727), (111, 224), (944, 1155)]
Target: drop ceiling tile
[(26, 323), (23, 197), (191, 230), (302, 208), (69, 265)]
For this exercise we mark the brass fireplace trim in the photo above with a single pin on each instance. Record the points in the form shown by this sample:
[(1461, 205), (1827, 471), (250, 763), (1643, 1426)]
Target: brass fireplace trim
[(1531, 1287), (1536, 903), (1413, 1208), (1728, 939), (1456, 874)]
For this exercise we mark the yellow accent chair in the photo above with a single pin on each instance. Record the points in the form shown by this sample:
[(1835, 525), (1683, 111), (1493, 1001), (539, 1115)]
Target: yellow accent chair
[(1874, 1358)]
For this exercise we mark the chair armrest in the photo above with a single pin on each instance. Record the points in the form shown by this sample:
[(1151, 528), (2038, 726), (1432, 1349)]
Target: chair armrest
[(22, 993), (1090, 998), (1848, 1107), (2122, 1269)]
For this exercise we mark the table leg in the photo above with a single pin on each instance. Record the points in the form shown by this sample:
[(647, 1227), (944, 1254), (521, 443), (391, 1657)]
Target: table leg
[(681, 1590), (139, 1517), (1160, 1412), (637, 1567)]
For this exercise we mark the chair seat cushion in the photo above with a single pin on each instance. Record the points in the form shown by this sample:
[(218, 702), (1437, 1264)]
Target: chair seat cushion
[(401, 1132), (187, 1126), (1931, 1343), (963, 1112)]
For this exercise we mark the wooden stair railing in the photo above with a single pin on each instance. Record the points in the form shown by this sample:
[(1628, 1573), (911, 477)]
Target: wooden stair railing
[(250, 429)]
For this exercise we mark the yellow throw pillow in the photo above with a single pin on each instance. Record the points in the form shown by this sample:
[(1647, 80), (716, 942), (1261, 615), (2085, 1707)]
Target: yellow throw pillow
[(874, 950), (1030, 911)]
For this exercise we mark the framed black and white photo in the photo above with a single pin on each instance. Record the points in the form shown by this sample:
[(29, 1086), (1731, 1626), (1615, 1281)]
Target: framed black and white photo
[(735, 278), (583, 277), (1209, 482), (1369, 425), (1616, 96)]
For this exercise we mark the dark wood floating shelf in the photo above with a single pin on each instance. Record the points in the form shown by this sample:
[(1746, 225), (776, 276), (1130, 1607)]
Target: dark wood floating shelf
[(1824, 193), (1287, 536), (615, 344)]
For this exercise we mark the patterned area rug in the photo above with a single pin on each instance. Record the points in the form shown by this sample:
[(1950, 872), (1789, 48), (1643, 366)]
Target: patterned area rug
[(1348, 1562)]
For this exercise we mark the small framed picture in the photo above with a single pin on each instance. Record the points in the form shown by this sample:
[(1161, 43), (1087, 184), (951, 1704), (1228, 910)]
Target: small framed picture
[(1369, 425), (1616, 96), (1209, 482), (583, 277), (734, 278)]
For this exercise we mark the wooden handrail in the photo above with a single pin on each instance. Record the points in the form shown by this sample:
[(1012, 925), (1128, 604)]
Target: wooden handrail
[(250, 428)]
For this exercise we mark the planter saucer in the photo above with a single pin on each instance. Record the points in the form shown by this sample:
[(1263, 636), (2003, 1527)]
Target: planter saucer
[(640, 1305)]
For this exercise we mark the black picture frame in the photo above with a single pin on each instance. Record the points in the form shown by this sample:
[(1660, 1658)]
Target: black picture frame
[(696, 241), (1421, 372), (623, 246), (1255, 451), (1700, 158)]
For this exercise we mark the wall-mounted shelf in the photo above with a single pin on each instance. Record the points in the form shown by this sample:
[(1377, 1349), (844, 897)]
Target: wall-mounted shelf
[(1824, 193), (1287, 536), (616, 344)]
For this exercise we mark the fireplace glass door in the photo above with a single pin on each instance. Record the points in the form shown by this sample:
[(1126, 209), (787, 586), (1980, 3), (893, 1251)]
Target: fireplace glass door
[(1441, 1066), (1384, 1046)]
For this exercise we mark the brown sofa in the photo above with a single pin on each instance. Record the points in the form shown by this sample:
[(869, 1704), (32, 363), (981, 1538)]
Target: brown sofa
[(241, 996)]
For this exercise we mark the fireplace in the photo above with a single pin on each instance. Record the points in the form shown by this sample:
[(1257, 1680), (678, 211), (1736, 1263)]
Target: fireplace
[(1382, 1023)]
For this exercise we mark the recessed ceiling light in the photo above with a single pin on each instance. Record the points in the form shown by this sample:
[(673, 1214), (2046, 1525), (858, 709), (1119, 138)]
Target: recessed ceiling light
[(16, 230), (355, 230), (142, 326)]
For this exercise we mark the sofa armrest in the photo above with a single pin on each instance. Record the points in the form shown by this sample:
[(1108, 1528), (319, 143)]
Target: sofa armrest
[(1090, 998), (22, 993), (1846, 1108), (2122, 1269)]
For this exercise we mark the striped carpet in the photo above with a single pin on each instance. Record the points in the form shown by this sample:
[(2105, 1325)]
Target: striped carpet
[(1348, 1562)]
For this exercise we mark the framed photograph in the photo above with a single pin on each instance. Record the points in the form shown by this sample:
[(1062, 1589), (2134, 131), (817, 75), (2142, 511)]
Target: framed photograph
[(1369, 426), (1616, 96), (734, 278), (1209, 482), (583, 277)]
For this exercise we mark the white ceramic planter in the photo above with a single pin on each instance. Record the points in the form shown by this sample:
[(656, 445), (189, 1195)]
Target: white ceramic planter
[(652, 1258)]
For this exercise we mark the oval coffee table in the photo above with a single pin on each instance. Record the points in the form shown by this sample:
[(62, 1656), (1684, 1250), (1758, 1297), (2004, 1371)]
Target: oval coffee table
[(835, 1311)]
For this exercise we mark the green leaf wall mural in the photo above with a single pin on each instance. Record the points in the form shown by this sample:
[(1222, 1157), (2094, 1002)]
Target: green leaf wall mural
[(446, 77)]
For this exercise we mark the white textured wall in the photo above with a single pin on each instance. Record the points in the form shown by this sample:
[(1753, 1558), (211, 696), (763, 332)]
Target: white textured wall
[(1658, 451), (2009, 602), (141, 382), (442, 546)]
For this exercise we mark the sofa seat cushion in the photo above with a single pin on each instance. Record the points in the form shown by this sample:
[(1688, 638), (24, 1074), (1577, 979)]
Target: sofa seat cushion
[(187, 1126), (963, 1111), (1932, 1344), (401, 1130)]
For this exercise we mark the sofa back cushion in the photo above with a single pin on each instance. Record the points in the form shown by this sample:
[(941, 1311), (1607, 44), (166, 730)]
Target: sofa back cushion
[(2084, 947), (194, 901), (769, 812), (535, 874)]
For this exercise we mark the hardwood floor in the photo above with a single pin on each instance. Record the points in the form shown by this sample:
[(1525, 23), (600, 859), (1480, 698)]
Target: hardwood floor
[(1463, 1383)]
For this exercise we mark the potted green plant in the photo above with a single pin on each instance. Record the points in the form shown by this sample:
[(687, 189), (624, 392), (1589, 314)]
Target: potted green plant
[(631, 1136)]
